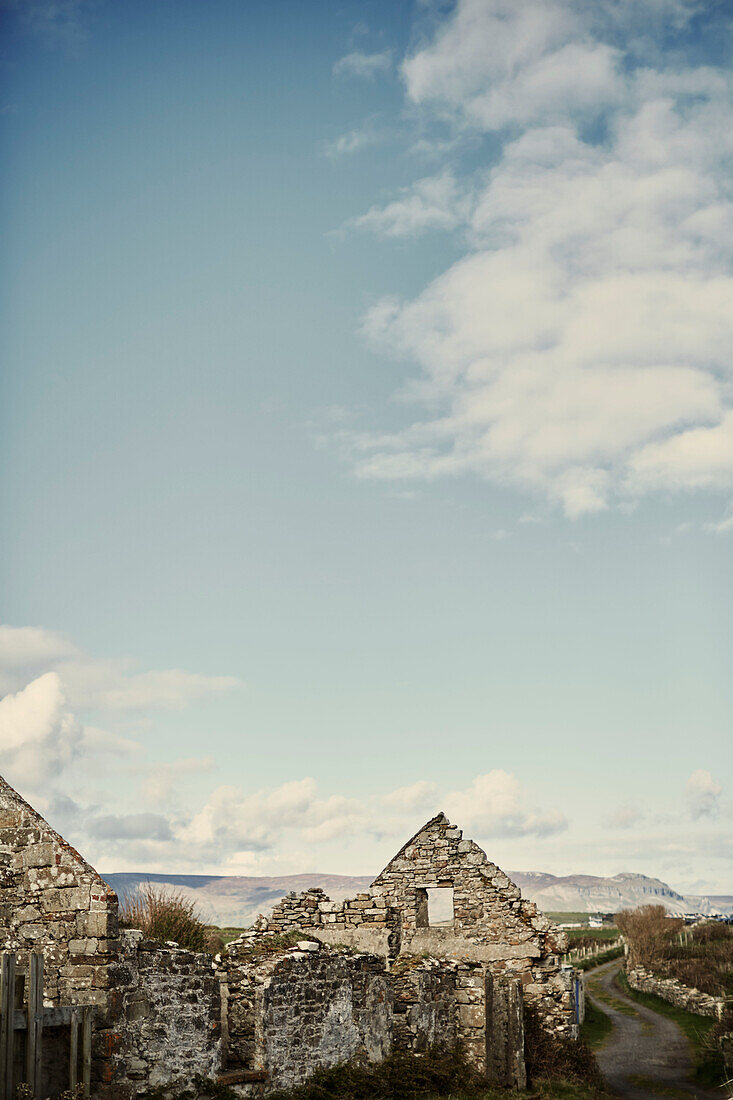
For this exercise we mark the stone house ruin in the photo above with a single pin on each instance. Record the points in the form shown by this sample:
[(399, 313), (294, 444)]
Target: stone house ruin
[(441, 950)]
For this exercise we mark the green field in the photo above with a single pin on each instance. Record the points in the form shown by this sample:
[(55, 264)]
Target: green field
[(603, 934)]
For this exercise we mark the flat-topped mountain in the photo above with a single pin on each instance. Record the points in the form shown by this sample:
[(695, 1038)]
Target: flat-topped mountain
[(235, 900)]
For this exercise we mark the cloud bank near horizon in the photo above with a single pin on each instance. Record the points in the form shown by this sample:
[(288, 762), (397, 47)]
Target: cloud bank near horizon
[(65, 764), (580, 350)]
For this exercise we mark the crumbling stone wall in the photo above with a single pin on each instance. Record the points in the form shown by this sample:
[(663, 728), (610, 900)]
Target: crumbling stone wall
[(669, 989), (364, 922), (157, 1009), (424, 998), (299, 1010), (492, 924), (167, 1024), (51, 900)]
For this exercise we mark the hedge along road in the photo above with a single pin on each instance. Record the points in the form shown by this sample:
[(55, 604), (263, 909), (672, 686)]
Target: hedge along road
[(646, 1055)]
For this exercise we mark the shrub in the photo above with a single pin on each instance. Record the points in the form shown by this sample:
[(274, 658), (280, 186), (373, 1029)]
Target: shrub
[(649, 932), (701, 958), (401, 1076), (163, 915), (551, 1057)]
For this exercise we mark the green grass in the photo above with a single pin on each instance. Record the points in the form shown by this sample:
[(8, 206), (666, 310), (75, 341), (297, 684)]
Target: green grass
[(603, 934), (568, 918), (596, 1026), (708, 1061), (229, 934)]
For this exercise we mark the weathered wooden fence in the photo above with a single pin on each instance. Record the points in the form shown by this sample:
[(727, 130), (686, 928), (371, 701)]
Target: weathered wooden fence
[(25, 1016)]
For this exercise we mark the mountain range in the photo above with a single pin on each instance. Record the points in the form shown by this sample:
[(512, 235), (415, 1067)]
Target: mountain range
[(235, 900)]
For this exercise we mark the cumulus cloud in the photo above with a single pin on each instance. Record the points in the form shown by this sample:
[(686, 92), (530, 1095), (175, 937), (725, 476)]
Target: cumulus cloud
[(92, 683), (38, 735), (233, 823), (703, 794), (416, 796), (361, 64), (433, 203), (580, 349), (494, 806)]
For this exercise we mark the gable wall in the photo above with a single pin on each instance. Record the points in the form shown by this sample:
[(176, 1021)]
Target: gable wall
[(52, 900)]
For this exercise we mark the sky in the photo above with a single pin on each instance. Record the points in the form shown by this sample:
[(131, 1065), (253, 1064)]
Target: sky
[(366, 430)]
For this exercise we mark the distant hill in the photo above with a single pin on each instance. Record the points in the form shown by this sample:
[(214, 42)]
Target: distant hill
[(589, 893), (235, 901)]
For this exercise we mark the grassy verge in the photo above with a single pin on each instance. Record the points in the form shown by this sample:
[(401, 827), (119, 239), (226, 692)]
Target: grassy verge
[(596, 1027), (709, 1068)]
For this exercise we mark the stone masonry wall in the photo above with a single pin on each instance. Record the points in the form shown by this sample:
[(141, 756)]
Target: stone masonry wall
[(362, 922), (51, 900), (303, 1009), (157, 1009), (424, 998), (167, 1020), (669, 989), (492, 923)]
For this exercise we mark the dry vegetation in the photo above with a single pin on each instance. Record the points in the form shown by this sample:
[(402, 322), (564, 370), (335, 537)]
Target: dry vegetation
[(167, 915), (700, 957)]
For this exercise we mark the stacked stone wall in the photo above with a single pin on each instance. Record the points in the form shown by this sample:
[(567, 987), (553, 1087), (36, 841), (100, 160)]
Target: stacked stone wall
[(156, 1009), (364, 922), (424, 997), (166, 1025), (669, 989), (293, 1013), (52, 901)]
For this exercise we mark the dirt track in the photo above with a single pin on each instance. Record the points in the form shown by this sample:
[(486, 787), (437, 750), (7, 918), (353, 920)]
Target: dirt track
[(646, 1055)]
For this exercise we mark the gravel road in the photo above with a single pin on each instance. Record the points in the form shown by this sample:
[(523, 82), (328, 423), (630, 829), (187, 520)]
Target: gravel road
[(646, 1055)]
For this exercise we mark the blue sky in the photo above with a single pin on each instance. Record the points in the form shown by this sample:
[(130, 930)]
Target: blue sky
[(367, 431)]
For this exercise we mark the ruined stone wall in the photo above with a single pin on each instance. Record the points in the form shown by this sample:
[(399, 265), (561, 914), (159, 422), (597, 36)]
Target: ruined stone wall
[(166, 1025), (157, 1009), (492, 924), (669, 989), (294, 1012), (51, 900), (424, 998), (365, 922)]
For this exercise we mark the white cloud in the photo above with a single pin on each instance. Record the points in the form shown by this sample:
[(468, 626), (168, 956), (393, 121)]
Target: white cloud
[(353, 141), (703, 794), (231, 823), (721, 526), (420, 795), (361, 64), (92, 683), (580, 350), (433, 203), (38, 735), (493, 806), (500, 62)]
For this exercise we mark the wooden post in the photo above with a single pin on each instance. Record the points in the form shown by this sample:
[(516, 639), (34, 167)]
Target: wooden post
[(34, 1040), (86, 1049), (73, 1049), (7, 1032)]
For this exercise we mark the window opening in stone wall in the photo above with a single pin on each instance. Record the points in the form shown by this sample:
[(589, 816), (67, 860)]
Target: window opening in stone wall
[(440, 906), (421, 907)]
